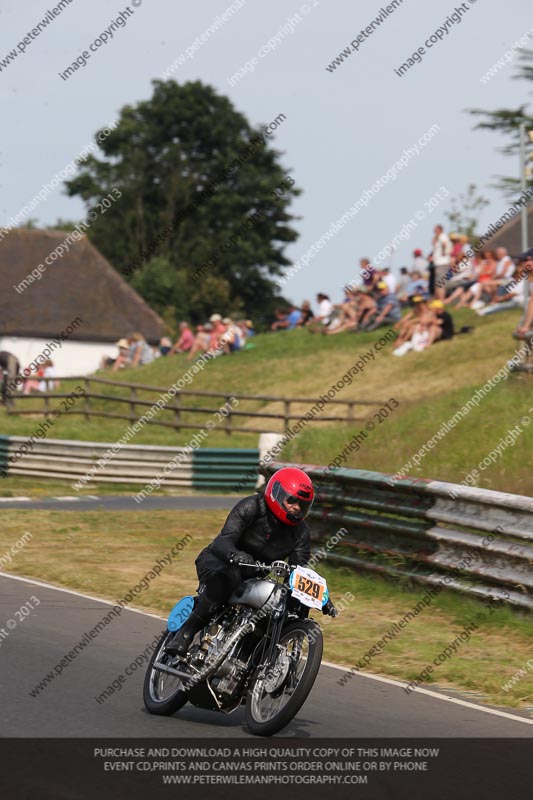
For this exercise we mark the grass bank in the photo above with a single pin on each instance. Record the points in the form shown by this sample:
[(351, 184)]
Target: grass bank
[(428, 386)]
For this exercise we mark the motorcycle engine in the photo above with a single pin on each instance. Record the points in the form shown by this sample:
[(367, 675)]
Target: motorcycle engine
[(232, 670)]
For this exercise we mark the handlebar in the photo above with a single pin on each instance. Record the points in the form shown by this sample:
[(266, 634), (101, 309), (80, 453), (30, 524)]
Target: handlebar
[(278, 567)]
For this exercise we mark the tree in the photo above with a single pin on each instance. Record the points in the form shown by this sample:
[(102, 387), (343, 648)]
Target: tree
[(62, 225), (507, 121), (463, 216), (200, 192)]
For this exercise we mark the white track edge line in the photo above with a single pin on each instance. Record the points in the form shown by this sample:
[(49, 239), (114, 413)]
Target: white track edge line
[(439, 696), (77, 594), (379, 678)]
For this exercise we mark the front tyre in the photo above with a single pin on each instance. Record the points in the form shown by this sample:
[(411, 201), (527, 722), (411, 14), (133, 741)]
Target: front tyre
[(162, 694), (276, 696)]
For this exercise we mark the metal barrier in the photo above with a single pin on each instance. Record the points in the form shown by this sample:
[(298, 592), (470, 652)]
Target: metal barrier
[(475, 541), (63, 459)]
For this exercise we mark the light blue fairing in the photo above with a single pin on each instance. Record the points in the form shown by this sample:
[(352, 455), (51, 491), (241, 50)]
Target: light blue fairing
[(180, 613)]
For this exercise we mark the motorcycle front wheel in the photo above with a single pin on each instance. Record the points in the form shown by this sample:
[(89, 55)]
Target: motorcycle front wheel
[(276, 696), (162, 693)]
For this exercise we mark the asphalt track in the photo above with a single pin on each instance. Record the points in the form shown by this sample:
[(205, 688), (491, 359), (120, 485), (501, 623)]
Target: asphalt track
[(123, 503), (364, 707)]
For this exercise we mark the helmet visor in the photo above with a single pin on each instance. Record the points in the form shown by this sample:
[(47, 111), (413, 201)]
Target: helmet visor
[(297, 508)]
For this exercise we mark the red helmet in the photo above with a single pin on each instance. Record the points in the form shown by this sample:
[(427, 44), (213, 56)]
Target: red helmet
[(289, 485)]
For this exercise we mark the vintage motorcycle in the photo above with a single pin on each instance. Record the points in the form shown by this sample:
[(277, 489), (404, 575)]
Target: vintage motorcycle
[(260, 650)]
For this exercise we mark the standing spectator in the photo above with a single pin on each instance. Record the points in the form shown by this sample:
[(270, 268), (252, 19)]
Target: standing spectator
[(10, 369), (48, 384), (387, 311), (32, 384), (526, 323), (440, 259), (186, 340), (457, 247)]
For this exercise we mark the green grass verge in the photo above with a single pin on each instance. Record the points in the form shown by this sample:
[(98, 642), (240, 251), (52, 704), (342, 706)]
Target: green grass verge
[(105, 554)]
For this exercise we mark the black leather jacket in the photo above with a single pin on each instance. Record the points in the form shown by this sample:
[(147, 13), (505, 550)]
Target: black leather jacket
[(252, 529)]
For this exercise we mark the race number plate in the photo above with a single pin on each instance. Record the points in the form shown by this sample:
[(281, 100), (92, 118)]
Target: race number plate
[(308, 587)]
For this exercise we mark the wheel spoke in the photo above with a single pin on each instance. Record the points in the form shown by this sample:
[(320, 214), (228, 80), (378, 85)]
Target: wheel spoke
[(265, 706), (162, 685)]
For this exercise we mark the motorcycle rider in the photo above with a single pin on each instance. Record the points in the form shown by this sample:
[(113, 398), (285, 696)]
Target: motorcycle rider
[(263, 528)]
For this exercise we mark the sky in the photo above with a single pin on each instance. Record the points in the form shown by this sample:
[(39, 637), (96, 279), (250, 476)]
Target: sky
[(344, 128)]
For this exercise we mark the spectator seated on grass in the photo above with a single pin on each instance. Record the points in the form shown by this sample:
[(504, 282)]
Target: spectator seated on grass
[(503, 273), (507, 297), (323, 315), (122, 359), (420, 340), (286, 320), (386, 312), (401, 287), (185, 341), (140, 351), (387, 277), (416, 285), (486, 269), (306, 314), (441, 326), (201, 340), (420, 314), (346, 313), (231, 340), (249, 326), (165, 346), (462, 280)]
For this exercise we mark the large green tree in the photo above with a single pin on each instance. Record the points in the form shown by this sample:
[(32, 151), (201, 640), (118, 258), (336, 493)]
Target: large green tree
[(192, 173), (507, 122)]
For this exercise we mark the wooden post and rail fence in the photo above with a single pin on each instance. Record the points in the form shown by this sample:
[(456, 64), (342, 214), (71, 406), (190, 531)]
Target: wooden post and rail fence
[(137, 398)]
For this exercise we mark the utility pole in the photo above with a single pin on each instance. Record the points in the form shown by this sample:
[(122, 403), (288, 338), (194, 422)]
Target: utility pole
[(523, 169), (525, 174)]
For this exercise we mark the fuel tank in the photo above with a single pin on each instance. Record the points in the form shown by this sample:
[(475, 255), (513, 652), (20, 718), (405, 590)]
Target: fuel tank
[(253, 592)]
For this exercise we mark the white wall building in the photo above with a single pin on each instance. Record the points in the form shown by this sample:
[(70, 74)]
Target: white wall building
[(67, 300)]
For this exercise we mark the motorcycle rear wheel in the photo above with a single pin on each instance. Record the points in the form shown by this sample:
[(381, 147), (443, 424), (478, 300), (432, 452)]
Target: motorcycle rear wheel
[(156, 699), (273, 702)]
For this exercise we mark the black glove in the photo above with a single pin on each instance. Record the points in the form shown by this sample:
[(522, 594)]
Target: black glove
[(330, 609), (240, 557)]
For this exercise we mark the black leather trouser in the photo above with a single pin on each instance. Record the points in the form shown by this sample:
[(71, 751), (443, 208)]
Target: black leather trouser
[(219, 584)]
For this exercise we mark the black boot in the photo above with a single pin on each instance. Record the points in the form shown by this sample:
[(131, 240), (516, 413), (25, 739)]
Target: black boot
[(200, 615)]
